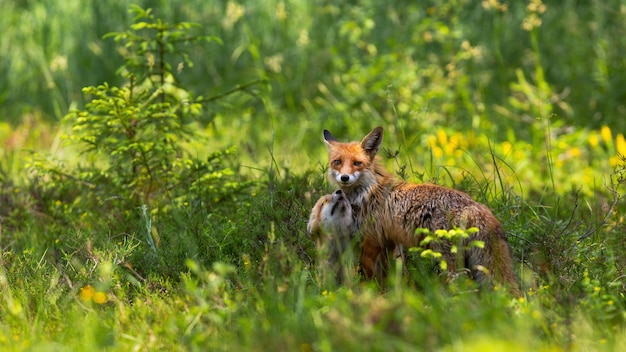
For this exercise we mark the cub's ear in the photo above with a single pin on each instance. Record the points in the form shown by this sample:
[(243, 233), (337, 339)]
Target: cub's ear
[(329, 137), (313, 227), (371, 143)]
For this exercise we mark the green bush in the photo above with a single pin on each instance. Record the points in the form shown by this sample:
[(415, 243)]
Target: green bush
[(134, 139), (139, 167)]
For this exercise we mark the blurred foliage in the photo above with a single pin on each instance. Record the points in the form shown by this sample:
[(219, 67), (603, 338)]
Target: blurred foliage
[(455, 62), (132, 138), (135, 169), (150, 230)]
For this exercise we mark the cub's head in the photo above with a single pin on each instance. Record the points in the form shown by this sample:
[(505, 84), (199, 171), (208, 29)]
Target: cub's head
[(348, 162), (331, 219)]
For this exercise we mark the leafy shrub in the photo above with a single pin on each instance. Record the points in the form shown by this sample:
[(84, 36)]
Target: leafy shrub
[(134, 139), (140, 188)]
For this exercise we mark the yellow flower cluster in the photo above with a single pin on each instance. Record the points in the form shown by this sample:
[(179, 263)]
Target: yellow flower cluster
[(450, 146), (495, 4), (535, 9), (578, 159), (89, 294), (616, 146)]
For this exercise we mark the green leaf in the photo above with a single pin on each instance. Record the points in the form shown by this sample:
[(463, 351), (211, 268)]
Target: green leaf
[(477, 244), (138, 26)]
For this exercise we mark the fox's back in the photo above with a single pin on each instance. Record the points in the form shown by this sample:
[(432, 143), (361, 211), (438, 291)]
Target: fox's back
[(433, 207)]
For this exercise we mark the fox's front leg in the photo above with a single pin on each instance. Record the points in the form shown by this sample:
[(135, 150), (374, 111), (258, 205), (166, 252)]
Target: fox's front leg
[(373, 259)]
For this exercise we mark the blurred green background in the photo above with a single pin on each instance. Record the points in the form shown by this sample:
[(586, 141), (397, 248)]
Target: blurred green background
[(484, 66), (520, 103)]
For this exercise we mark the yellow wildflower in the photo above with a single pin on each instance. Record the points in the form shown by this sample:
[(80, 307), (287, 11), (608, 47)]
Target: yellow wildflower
[(89, 293), (442, 137), (86, 293), (536, 315), (234, 12), (605, 133), (437, 152), (507, 147), (281, 12), (615, 161), (100, 297), (531, 22), (593, 140), (449, 148)]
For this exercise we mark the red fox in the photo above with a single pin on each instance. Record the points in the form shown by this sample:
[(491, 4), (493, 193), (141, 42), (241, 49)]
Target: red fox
[(332, 226), (387, 212)]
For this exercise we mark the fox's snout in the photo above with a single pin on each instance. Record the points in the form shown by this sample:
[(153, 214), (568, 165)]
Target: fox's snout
[(344, 179), (339, 198)]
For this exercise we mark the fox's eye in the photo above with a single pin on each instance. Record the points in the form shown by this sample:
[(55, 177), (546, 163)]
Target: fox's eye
[(337, 162), (357, 163)]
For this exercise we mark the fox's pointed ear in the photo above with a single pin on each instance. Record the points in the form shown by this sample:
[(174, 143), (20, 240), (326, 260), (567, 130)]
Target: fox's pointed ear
[(371, 143), (329, 137)]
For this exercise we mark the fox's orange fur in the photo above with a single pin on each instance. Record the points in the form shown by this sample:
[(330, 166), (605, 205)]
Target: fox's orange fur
[(388, 211)]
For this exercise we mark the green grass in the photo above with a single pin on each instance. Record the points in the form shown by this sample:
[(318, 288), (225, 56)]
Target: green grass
[(246, 281), (218, 259)]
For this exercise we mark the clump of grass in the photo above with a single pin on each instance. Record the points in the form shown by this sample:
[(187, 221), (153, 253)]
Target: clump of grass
[(264, 294)]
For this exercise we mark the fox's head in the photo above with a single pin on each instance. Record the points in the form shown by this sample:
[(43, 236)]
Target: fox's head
[(349, 162), (331, 216)]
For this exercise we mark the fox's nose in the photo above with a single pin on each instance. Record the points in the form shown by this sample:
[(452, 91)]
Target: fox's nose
[(345, 178), (338, 192)]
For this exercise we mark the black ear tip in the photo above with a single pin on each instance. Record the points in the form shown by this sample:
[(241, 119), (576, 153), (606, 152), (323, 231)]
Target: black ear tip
[(328, 136)]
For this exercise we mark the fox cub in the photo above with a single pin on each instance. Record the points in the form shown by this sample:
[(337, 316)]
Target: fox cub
[(332, 227), (386, 212)]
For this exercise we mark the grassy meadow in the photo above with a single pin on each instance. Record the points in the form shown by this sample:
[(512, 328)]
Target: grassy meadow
[(157, 170)]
